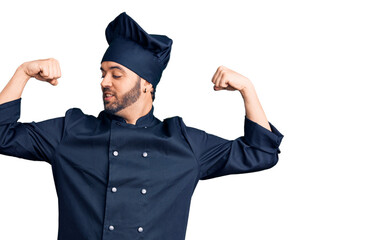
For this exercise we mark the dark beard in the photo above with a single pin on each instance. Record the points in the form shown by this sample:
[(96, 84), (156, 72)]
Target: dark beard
[(128, 99)]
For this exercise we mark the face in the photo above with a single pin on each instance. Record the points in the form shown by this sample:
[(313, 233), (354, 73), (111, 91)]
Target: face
[(120, 86)]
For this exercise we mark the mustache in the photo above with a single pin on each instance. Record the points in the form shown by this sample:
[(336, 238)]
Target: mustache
[(105, 90)]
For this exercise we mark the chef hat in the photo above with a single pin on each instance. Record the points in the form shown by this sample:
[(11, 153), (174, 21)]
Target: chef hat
[(129, 45)]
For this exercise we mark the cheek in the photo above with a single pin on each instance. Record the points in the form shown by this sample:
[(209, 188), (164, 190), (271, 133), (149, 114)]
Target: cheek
[(122, 86)]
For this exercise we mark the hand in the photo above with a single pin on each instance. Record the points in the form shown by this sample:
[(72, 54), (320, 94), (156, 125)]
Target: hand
[(227, 79), (47, 70)]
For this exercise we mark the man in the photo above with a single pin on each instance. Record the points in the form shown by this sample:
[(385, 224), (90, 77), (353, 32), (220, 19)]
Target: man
[(126, 174)]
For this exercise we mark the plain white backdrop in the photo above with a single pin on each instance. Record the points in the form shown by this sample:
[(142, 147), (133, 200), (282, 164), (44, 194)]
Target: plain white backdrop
[(321, 70)]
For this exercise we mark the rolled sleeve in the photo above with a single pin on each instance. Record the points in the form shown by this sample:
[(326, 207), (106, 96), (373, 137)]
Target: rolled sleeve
[(10, 111), (259, 137)]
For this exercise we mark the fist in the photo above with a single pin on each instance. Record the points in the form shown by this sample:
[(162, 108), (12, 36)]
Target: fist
[(47, 70), (225, 78)]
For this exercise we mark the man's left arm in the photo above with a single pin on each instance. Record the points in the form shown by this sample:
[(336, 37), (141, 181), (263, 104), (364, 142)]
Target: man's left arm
[(256, 150)]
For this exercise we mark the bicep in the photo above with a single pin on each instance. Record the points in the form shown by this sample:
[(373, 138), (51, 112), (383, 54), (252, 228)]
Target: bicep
[(33, 140)]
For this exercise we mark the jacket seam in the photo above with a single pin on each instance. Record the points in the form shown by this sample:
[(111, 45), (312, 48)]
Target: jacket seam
[(54, 154), (192, 150)]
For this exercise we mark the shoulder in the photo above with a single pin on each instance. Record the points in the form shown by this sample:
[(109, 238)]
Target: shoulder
[(75, 113), (176, 121), (172, 120), (172, 123), (185, 130), (75, 116)]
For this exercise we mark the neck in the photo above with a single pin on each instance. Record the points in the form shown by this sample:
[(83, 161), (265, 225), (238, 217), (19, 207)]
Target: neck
[(134, 112)]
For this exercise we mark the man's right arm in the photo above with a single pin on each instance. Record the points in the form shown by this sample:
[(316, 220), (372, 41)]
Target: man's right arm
[(33, 140)]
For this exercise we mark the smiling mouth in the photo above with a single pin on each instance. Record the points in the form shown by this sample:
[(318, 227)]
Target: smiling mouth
[(107, 96)]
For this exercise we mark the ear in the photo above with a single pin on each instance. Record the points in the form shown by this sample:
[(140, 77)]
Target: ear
[(146, 84)]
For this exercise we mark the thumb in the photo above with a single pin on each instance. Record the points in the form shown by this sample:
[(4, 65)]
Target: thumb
[(54, 81)]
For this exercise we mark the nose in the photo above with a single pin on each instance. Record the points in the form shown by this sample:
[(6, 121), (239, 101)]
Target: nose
[(106, 82)]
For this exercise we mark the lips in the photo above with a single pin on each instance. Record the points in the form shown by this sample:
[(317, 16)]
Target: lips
[(107, 96)]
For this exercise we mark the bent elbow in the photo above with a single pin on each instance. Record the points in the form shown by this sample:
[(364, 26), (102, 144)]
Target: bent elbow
[(269, 160), (273, 162)]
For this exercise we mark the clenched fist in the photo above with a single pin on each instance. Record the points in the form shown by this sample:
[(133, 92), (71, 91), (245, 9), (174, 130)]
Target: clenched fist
[(47, 70), (225, 78)]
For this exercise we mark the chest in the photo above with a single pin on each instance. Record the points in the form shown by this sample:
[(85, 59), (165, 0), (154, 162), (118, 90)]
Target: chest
[(156, 156)]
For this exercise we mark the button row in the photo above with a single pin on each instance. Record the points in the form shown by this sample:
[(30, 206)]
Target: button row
[(143, 191), (139, 229), (115, 153)]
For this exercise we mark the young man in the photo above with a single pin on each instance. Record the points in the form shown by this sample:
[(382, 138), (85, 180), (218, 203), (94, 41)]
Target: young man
[(126, 174)]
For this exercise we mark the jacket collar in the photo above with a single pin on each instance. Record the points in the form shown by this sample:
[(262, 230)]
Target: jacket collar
[(147, 120)]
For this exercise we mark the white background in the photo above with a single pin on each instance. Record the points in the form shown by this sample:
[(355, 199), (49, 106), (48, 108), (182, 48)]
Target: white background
[(320, 69)]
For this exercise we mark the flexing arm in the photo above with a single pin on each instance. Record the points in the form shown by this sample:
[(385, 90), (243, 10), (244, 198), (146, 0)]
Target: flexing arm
[(45, 70), (29, 140), (227, 79), (256, 150)]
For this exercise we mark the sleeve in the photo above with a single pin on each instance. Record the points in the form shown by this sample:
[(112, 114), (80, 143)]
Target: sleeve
[(257, 150), (33, 140)]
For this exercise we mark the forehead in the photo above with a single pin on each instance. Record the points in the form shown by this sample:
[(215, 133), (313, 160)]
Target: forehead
[(108, 65)]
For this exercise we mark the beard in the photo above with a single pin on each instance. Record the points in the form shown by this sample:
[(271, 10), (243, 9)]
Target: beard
[(126, 100)]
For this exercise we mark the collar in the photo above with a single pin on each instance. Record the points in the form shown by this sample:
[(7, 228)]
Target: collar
[(147, 120)]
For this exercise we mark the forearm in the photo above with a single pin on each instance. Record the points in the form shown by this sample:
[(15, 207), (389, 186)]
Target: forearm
[(254, 110), (13, 90)]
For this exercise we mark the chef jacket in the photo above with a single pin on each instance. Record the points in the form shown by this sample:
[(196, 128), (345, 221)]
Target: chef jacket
[(117, 181)]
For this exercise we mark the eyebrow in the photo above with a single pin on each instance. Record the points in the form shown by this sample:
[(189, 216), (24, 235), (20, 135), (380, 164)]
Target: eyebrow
[(113, 67)]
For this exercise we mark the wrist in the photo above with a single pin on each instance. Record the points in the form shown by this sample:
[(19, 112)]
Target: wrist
[(21, 73), (247, 89)]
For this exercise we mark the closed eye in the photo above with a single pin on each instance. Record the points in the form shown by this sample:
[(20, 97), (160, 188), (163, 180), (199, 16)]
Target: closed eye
[(114, 76)]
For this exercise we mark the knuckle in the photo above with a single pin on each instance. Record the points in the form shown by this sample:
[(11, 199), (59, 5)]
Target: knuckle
[(52, 61)]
